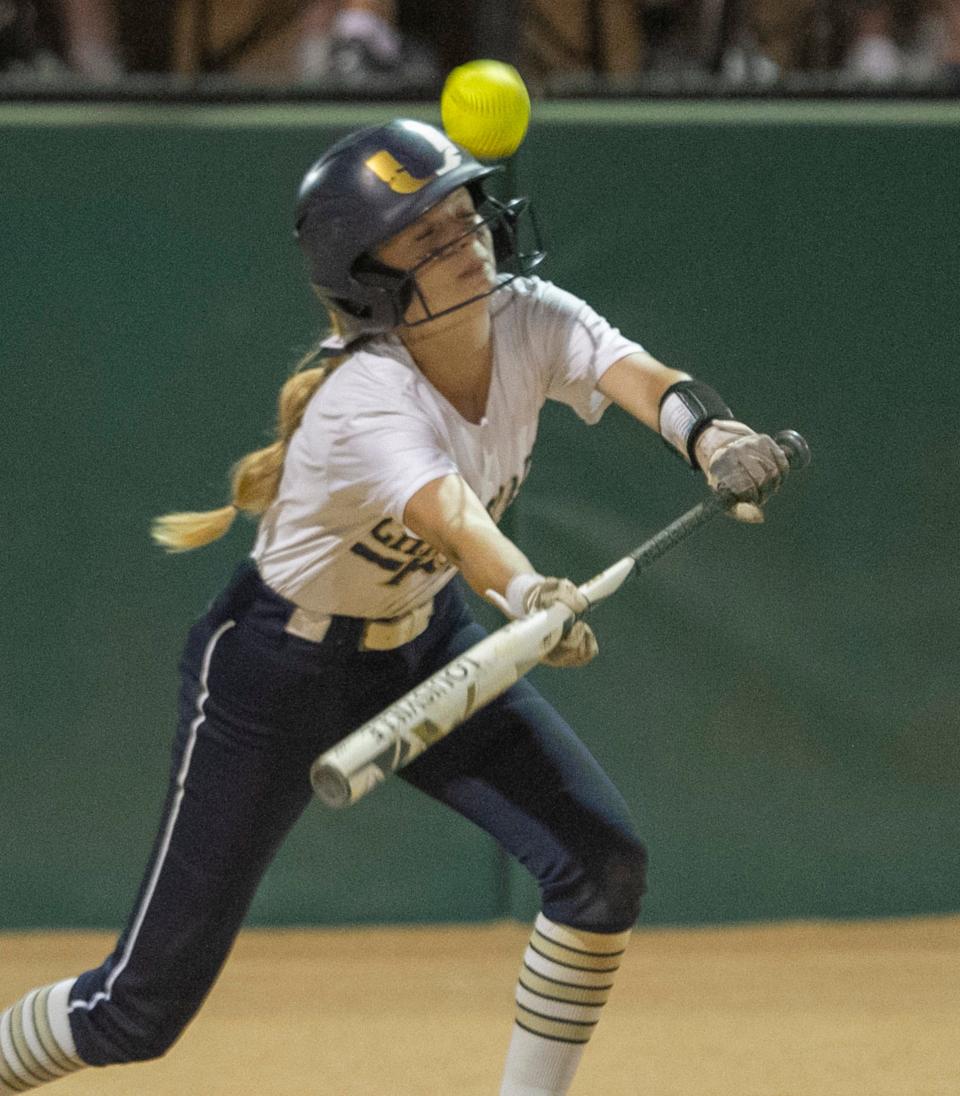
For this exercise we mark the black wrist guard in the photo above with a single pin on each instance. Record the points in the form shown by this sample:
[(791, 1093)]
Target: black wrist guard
[(686, 409)]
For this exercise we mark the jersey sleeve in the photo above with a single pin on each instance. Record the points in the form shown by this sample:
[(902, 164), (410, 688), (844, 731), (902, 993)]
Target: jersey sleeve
[(579, 346), (385, 457)]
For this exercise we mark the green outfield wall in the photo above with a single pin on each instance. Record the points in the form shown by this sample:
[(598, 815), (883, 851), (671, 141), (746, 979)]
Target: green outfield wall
[(779, 704)]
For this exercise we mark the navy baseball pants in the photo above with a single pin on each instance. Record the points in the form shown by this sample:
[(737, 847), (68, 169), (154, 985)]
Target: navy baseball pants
[(256, 707)]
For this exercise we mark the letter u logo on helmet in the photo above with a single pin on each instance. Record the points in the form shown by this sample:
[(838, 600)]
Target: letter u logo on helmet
[(364, 190), (394, 174), (390, 171)]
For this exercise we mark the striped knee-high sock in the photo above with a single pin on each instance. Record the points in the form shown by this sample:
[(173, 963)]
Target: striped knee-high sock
[(566, 977), (36, 1045)]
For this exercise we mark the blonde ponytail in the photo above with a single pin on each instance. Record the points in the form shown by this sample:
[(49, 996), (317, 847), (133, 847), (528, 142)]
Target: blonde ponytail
[(255, 478)]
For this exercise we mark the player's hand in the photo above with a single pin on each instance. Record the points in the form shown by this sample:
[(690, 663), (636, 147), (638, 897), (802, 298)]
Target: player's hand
[(579, 645), (743, 463)]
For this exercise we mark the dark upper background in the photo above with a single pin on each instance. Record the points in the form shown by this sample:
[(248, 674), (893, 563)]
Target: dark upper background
[(779, 705)]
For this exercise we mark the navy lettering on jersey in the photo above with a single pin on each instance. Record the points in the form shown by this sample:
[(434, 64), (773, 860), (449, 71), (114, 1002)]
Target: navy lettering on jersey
[(504, 498), (414, 554), (392, 540)]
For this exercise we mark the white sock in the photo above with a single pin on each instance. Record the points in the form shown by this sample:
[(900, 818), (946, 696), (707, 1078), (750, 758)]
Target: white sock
[(565, 980), (551, 1065), (36, 1044)]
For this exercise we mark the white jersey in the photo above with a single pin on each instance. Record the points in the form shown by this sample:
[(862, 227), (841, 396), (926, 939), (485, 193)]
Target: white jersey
[(333, 540)]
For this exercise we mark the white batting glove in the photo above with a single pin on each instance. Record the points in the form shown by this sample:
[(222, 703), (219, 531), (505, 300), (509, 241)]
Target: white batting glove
[(747, 465), (528, 593)]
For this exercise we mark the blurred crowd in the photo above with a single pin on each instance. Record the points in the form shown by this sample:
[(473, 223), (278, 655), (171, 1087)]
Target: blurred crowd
[(874, 42)]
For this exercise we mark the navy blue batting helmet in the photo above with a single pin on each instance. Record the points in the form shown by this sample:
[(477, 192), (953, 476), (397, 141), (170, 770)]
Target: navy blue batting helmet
[(371, 185)]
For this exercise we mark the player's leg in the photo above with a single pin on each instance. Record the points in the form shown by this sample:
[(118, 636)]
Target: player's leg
[(591, 868), (518, 771), (237, 785)]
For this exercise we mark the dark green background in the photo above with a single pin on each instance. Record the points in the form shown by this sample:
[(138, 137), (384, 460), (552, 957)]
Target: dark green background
[(778, 704)]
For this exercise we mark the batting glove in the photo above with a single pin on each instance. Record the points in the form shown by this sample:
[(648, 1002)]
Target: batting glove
[(738, 461), (528, 593), (579, 645)]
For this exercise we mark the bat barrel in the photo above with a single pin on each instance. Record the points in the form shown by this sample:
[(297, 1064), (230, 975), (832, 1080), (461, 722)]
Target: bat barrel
[(366, 757)]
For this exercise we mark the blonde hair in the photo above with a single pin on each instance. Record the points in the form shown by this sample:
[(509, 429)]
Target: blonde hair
[(255, 478)]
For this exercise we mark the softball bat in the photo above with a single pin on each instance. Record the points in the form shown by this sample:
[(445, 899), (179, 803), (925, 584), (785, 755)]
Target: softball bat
[(366, 757)]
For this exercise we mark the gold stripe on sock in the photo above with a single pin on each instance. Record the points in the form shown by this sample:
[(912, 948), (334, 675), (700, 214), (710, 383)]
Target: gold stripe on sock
[(7, 1075), (28, 1059), (11, 1083), (10, 1079), (567, 1030), (612, 953), (41, 1023), (547, 968), (598, 943), (552, 1038), (562, 991), (568, 958), (32, 1041), (566, 1011)]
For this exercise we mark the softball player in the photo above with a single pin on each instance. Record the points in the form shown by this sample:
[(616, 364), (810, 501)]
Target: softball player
[(399, 446)]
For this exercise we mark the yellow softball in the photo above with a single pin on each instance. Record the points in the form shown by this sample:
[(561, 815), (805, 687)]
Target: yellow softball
[(485, 107)]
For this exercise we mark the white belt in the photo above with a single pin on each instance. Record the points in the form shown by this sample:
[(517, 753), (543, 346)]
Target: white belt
[(377, 635)]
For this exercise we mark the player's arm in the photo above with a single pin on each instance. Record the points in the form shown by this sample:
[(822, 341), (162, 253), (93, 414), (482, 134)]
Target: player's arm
[(637, 383), (447, 514), (693, 419)]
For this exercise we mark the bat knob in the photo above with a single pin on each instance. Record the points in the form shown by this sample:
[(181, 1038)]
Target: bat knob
[(794, 447)]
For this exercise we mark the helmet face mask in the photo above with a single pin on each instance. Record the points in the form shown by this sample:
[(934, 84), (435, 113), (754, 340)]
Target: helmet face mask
[(369, 187), (503, 220)]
